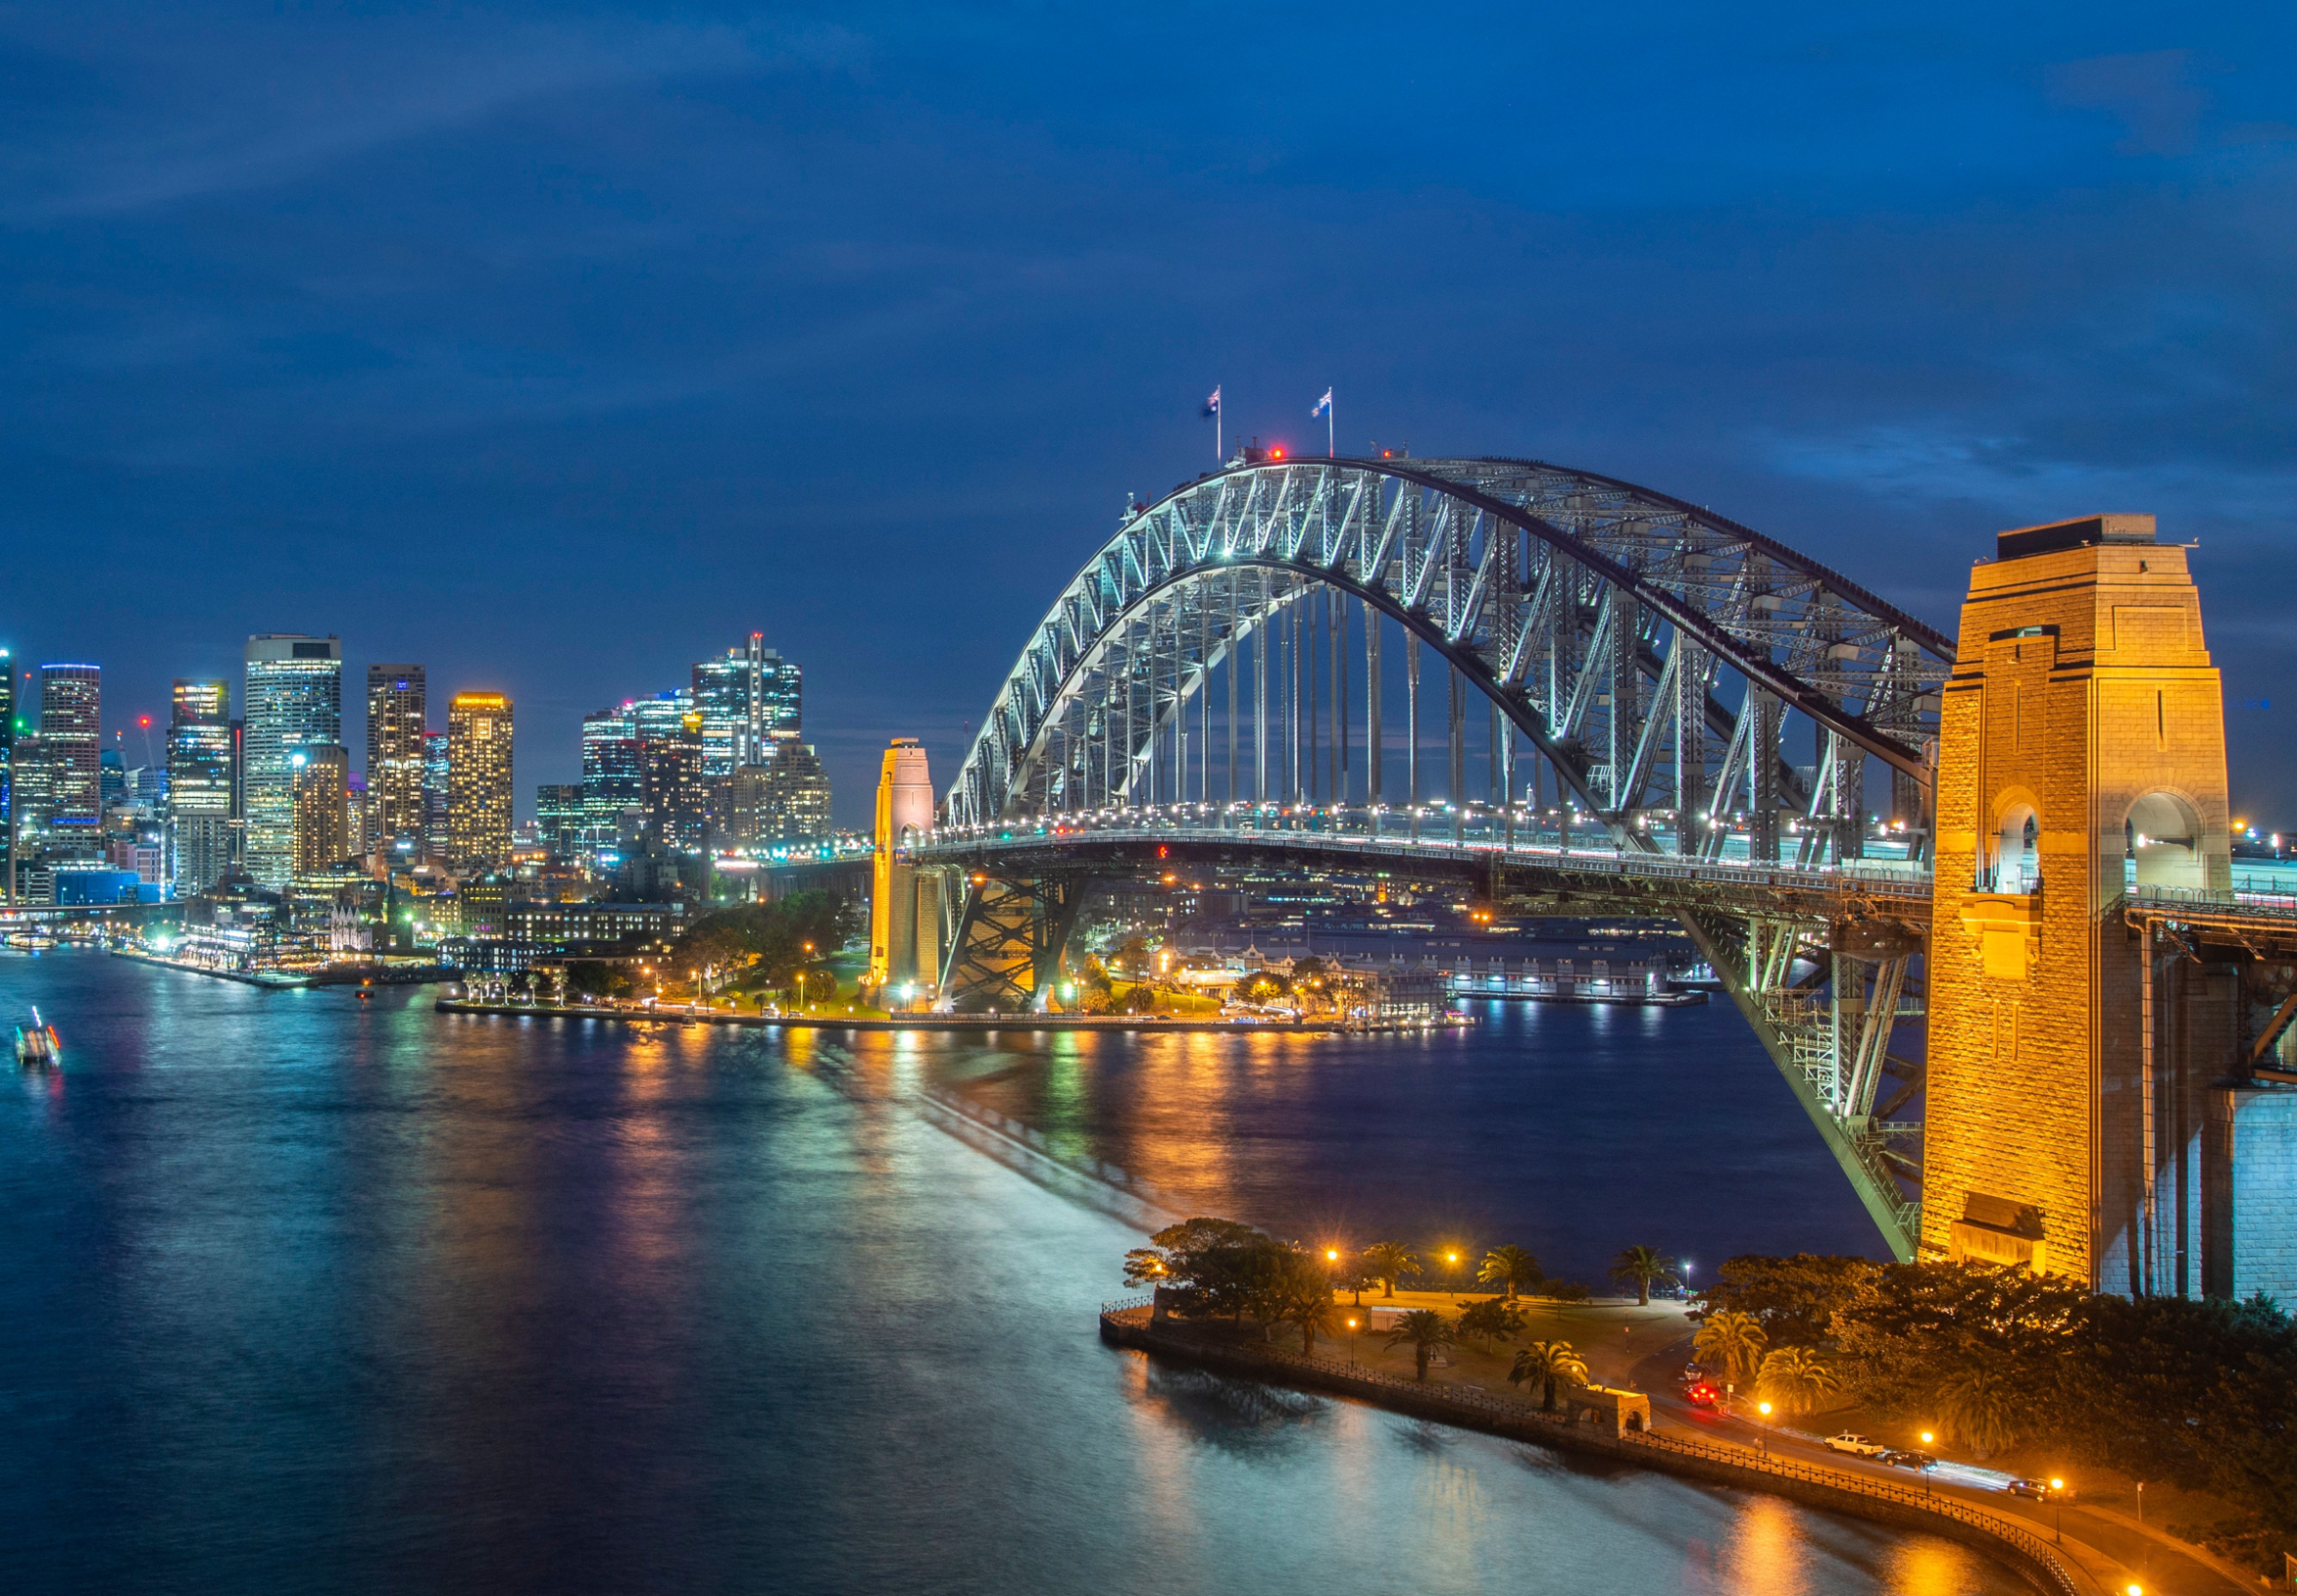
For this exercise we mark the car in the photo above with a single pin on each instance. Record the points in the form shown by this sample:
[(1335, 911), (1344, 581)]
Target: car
[(1858, 1446), (2037, 1489), (1692, 1374), (1899, 1457), (1699, 1394)]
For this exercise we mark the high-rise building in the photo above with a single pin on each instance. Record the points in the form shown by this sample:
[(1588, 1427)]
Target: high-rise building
[(434, 796), (293, 699), (322, 817), (611, 785), (8, 729), (675, 793), (71, 739), (558, 816), (33, 796), (749, 699), (797, 794), (199, 785), (398, 708), (749, 795), (478, 780)]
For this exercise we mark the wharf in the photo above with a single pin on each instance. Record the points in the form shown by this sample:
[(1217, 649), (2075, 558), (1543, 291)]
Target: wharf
[(326, 975), (968, 1023)]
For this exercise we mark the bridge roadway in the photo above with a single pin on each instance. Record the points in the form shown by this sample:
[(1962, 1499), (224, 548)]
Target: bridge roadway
[(1607, 878)]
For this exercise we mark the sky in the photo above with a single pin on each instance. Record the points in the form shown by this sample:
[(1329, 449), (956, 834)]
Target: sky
[(557, 348)]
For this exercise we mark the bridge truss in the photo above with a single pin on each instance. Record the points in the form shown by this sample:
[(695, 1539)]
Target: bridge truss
[(1224, 652)]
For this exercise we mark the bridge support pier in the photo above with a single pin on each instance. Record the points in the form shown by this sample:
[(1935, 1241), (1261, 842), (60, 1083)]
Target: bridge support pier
[(1005, 956)]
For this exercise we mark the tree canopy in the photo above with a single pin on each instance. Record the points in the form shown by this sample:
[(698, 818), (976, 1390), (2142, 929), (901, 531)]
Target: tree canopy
[(767, 942)]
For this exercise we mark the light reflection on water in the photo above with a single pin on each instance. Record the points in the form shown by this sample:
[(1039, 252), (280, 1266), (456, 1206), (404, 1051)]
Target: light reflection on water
[(313, 1296)]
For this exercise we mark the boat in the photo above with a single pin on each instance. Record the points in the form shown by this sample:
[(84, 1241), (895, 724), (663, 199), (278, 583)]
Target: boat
[(38, 1045)]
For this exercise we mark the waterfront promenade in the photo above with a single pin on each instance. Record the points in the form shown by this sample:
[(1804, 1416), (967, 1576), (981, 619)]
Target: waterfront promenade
[(831, 1020)]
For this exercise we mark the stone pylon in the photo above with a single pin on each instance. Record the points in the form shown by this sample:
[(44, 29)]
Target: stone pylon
[(904, 904)]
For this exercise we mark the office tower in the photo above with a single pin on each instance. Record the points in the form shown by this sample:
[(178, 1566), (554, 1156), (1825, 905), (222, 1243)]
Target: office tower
[(797, 794), (291, 698), (558, 816), (71, 708), (354, 805), (674, 793), (610, 781), (34, 797), (434, 796), (748, 795), (7, 777), (478, 780), (322, 830), (199, 785), (398, 708), (111, 778), (748, 699)]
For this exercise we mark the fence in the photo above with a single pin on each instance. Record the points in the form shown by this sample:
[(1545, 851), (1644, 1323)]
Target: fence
[(1126, 1321)]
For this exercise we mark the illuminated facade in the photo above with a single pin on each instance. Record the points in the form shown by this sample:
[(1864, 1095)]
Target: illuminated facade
[(558, 816), (71, 739), (674, 793), (398, 710), (796, 796), (612, 787), (748, 699), (322, 814), (7, 777), (477, 780), (291, 698), (199, 785)]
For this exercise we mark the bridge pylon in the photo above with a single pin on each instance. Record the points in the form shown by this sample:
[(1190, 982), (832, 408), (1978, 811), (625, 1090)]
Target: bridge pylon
[(904, 902), (2082, 754)]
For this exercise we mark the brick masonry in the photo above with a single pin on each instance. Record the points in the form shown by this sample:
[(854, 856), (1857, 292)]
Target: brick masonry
[(2081, 689)]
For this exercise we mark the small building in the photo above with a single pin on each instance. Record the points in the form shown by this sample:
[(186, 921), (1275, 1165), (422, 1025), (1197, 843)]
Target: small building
[(1610, 1407)]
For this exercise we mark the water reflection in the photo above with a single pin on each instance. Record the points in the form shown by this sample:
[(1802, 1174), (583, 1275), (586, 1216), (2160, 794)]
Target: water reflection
[(343, 1299)]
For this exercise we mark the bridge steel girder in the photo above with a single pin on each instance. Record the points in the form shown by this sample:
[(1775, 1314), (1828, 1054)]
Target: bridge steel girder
[(1540, 584), (1829, 1030), (1009, 936)]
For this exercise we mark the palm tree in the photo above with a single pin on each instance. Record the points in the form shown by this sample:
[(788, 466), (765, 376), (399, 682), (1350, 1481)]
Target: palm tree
[(1979, 1408), (1548, 1362), (1793, 1379), (1509, 1268), (1425, 1328), (1734, 1340), (1391, 1261), (1491, 1318), (1640, 1265)]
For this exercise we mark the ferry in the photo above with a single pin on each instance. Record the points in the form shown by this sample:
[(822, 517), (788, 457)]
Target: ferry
[(37, 1046)]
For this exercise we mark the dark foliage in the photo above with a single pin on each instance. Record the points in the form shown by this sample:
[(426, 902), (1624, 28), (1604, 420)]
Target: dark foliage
[(767, 942), (1793, 1298)]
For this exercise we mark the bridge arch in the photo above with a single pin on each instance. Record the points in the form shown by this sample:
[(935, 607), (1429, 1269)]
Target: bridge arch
[(1652, 653)]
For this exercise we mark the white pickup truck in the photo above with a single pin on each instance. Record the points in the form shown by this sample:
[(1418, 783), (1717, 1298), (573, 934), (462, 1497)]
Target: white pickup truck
[(1858, 1446)]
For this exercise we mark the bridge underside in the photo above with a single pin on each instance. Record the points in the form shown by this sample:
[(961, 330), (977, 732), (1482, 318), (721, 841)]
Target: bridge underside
[(1826, 968)]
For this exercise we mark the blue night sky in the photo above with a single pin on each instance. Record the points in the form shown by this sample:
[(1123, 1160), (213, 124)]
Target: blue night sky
[(557, 348)]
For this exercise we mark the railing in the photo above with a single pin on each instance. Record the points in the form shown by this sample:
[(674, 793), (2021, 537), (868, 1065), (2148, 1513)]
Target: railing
[(1483, 836), (1513, 1411)]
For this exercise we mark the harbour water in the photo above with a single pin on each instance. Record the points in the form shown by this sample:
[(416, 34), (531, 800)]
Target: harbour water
[(309, 1294)]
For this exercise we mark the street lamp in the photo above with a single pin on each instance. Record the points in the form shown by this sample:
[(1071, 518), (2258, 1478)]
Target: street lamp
[(1351, 1342), (1764, 1434), (2058, 1507)]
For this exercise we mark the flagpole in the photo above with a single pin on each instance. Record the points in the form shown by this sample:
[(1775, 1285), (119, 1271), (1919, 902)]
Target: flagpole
[(1332, 449)]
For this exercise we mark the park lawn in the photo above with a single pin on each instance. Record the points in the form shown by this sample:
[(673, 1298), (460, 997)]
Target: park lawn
[(1612, 1336)]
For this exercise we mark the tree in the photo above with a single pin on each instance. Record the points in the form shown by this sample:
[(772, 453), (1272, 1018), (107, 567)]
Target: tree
[(1510, 1268), (598, 978), (1206, 1265), (1426, 1330), (1639, 1267), (1795, 1298), (1300, 1296), (1493, 1319), (1732, 1340), (1391, 1261), (1978, 1407), (1548, 1362), (1793, 1380)]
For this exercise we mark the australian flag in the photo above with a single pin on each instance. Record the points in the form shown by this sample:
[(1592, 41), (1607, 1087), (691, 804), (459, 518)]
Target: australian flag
[(1212, 406)]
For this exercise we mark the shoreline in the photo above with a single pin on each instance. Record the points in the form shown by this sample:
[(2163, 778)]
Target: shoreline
[(344, 975), (925, 1021), (1130, 1326)]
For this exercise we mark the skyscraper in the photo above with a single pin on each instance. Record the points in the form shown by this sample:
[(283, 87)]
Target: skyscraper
[(293, 699), (478, 780), (797, 794), (610, 782), (398, 708), (747, 700), (675, 791), (558, 816), (71, 739), (434, 796), (322, 815), (7, 777), (199, 785)]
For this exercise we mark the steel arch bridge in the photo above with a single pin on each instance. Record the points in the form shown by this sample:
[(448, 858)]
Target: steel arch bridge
[(1668, 665)]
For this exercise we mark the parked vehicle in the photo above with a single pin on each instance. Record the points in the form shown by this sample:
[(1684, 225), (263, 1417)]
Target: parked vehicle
[(1858, 1446), (1899, 1457), (1699, 1394)]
